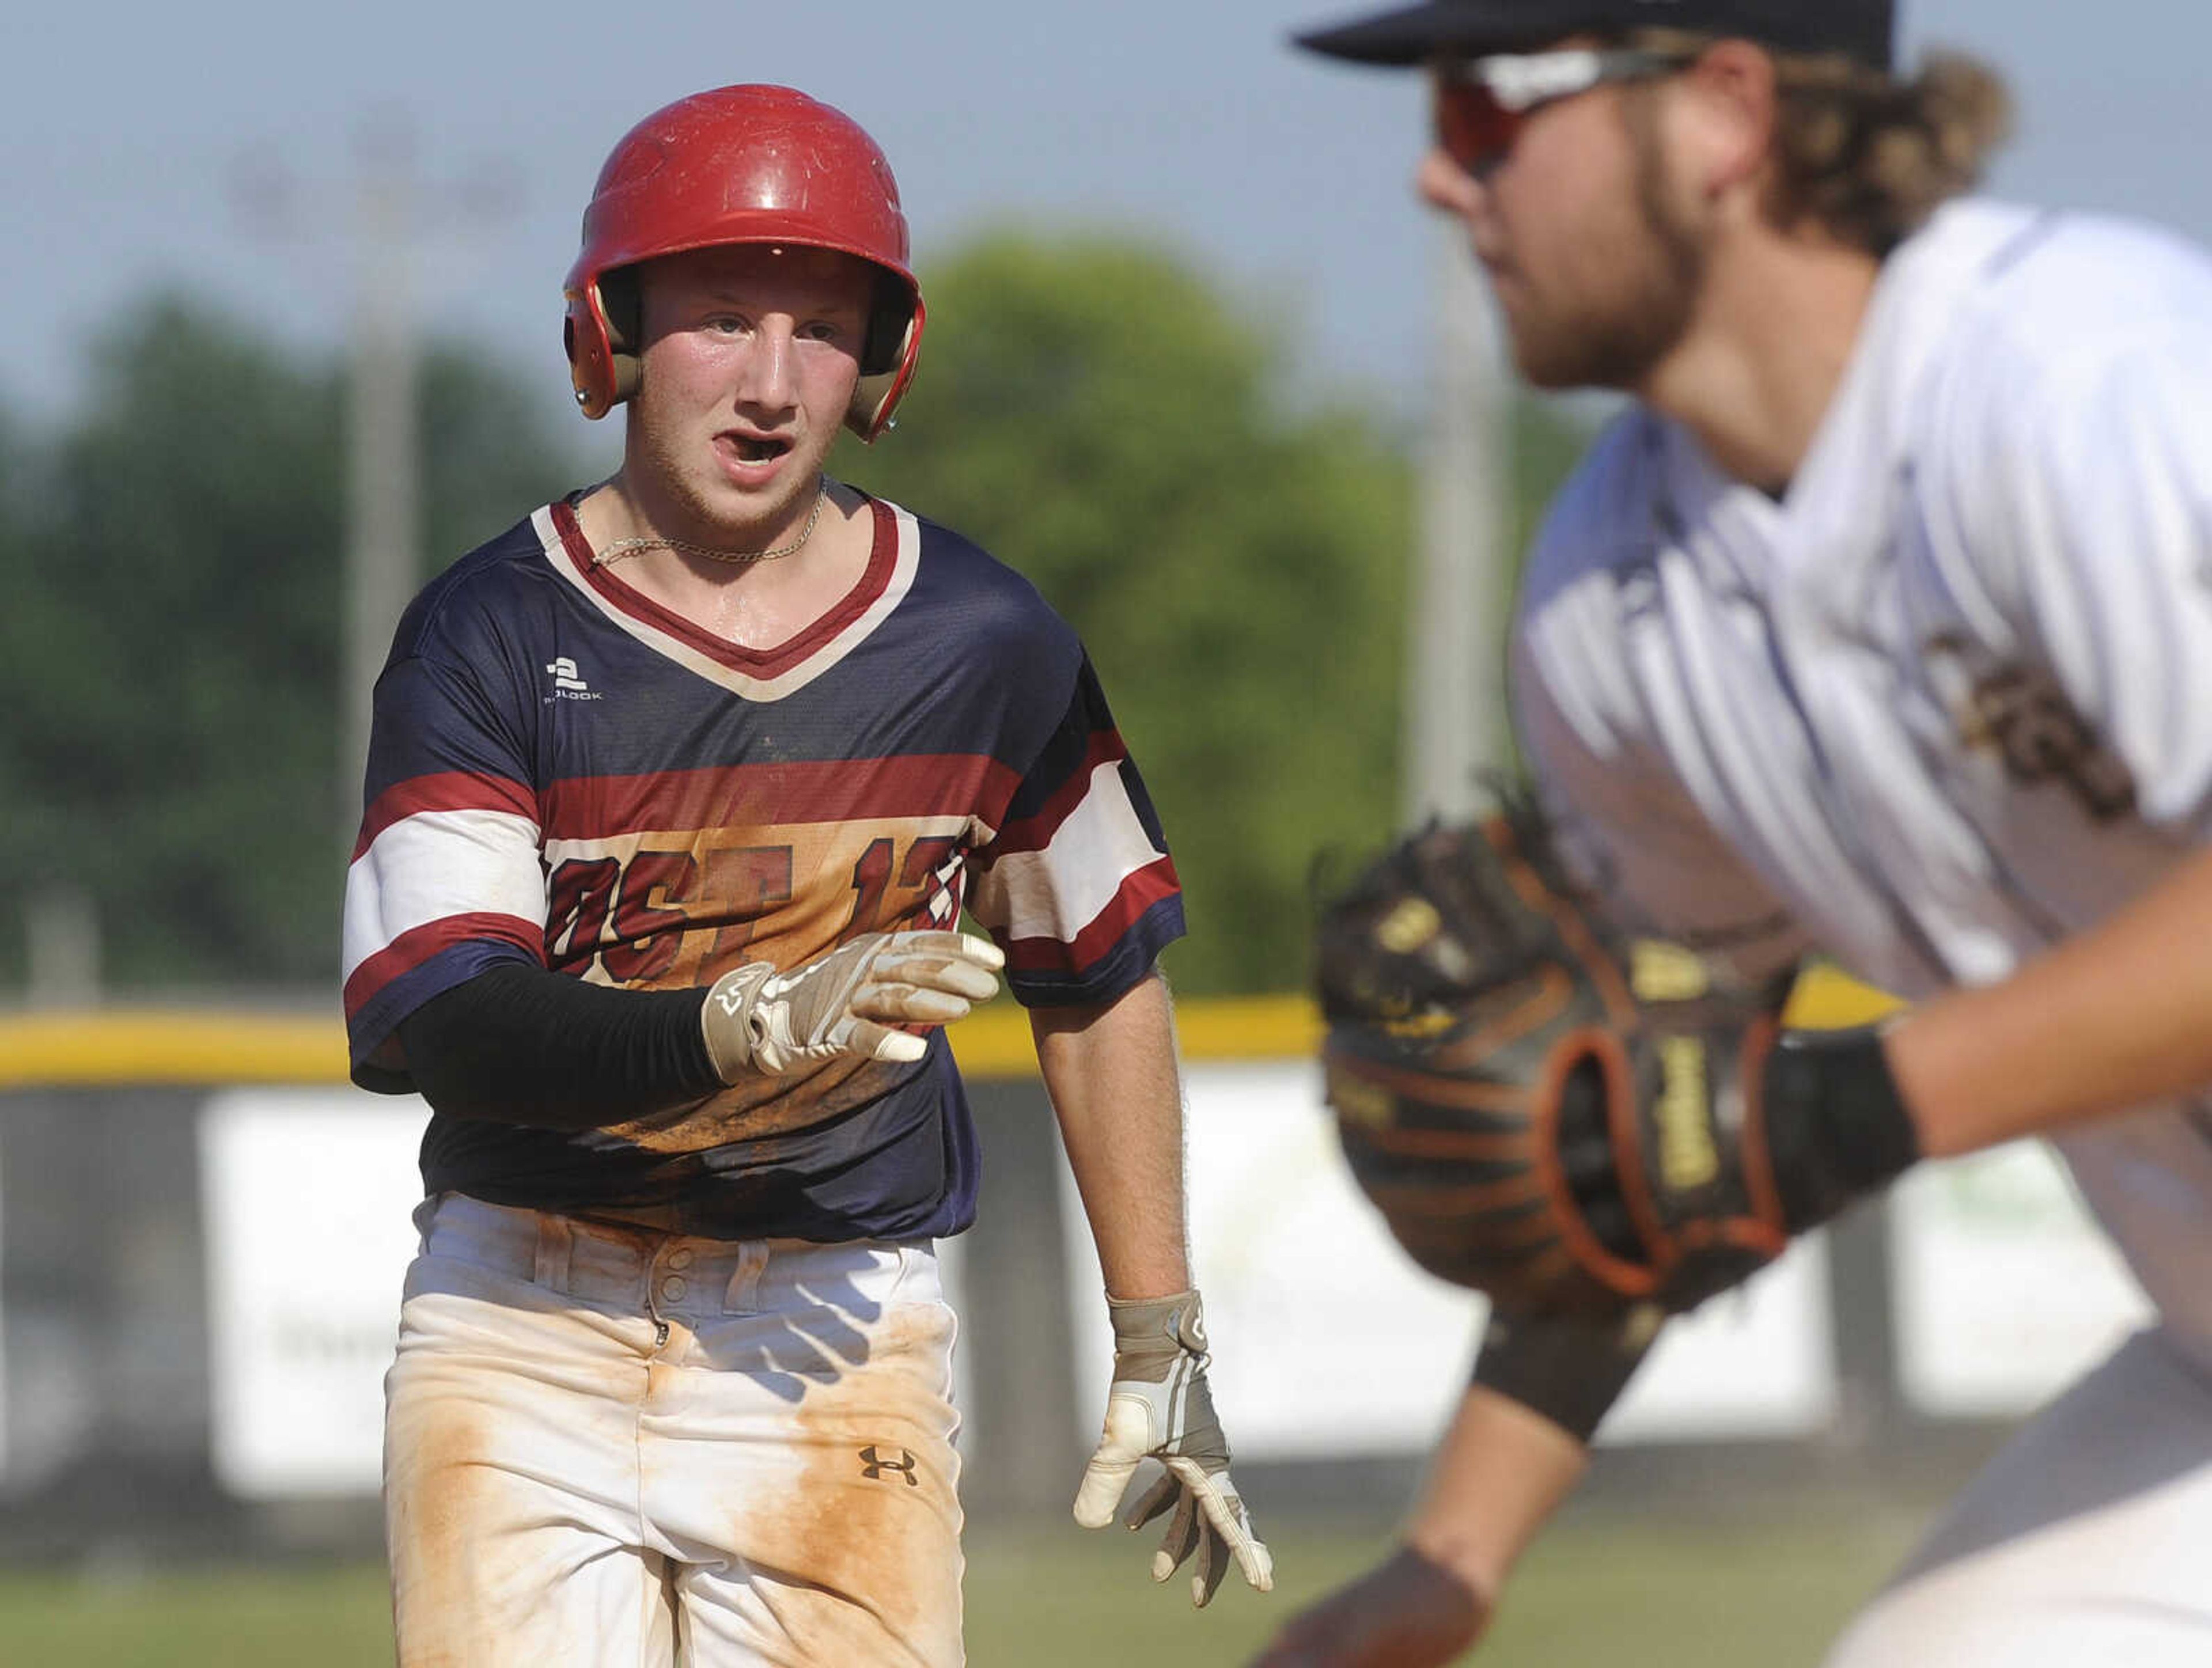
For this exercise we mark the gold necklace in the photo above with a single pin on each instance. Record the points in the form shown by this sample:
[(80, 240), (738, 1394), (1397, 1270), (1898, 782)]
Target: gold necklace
[(630, 547)]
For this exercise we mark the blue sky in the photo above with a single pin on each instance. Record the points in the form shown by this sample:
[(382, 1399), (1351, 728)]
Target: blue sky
[(126, 129)]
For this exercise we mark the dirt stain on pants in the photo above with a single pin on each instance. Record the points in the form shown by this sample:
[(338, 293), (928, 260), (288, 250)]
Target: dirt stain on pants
[(608, 1447)]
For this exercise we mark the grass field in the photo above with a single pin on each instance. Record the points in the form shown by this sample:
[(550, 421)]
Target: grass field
[(1601, 1591)]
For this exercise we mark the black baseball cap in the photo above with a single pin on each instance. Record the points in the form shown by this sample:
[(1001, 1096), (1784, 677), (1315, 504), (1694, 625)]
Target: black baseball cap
[(1864, 29)]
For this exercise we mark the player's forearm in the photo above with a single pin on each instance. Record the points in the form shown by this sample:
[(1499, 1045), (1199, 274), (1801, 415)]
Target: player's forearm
[(2111, 1019), (1498, 1475), (1111, 1072), (520, 1045)]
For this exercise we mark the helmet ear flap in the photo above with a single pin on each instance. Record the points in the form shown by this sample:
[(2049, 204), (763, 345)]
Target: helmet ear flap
[(891, 310), (599, 333), (887, 365), (622, 309)]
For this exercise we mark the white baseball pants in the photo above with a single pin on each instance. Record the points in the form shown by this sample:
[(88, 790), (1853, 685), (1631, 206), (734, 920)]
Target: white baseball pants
[(2086, 1543), (607, 1446)]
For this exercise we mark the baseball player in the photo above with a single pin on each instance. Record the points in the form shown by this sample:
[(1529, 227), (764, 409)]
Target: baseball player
[(677, 791), (1879, 625)]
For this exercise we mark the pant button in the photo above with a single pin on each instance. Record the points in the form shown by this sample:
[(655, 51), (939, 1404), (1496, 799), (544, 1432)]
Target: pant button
[(672, 1287), (680, 1257)]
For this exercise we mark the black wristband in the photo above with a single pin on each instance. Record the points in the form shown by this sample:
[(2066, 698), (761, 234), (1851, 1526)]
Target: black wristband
[(1837, 1126), (1570, 1368)]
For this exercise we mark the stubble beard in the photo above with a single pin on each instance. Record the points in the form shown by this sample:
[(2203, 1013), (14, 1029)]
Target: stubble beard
[(678, 475), (1617, 340)]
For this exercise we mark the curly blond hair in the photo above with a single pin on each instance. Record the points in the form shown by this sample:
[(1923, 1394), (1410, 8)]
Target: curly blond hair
[(1866, 155)]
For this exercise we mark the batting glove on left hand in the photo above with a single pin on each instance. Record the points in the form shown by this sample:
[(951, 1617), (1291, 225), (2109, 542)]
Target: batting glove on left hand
[(1160, 1408), (759, 1020)]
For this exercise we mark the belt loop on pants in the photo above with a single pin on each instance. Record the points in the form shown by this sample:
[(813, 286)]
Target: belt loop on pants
[(742, 1295), (556, 1236)]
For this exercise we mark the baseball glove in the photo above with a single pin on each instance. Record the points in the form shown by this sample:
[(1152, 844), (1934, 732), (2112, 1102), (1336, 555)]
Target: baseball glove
[(1565, 1120)]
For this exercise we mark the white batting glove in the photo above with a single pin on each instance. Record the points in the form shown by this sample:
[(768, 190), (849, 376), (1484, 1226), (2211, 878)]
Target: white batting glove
[(1159, 1407), (762, 1022)]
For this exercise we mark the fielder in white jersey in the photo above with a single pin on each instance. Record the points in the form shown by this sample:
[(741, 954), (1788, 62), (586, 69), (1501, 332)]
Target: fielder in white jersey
[(1881, 627)]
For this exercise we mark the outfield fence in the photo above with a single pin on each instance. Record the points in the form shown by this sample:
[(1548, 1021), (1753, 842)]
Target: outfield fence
[(203, 1228)]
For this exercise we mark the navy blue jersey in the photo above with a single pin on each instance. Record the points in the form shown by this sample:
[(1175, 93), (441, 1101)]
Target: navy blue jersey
[(564, 773)]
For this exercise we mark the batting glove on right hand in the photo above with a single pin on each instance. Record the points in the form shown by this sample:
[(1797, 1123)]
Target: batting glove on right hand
[(759, 1020), (1160, 1408)]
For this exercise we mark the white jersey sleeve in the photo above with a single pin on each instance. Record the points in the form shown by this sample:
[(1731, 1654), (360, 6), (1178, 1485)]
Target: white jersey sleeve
[(1623, 820), (2070, 498)]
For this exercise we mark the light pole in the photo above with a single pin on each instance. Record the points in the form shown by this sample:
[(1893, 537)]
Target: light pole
[(1455, 690), (394, 216), (383, 560)]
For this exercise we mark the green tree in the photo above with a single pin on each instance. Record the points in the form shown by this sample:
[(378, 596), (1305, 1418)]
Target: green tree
[(170, 659), (1103, 419), (1096, 413), (1548, 440), (20, 551)]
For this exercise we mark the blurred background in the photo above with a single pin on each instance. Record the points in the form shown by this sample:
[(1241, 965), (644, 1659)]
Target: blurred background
[(287, 294)]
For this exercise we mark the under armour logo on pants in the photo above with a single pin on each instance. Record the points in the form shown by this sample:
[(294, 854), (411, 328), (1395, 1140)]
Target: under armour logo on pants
[(873, 1465)]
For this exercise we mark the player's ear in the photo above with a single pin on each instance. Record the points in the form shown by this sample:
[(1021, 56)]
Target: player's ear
[(1726, 111)]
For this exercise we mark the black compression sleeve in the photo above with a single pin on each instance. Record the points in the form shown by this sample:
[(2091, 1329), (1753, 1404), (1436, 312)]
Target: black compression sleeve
[(1571, 1368), (522, 1045)]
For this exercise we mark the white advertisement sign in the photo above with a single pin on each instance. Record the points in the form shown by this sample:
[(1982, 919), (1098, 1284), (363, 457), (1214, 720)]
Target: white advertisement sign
[(1757, 1361), (2004, 1290), (308, 1194), (4, 1407), (1329, 1342)]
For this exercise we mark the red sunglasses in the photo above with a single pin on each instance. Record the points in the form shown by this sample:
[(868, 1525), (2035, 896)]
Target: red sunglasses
[(1482, 104)]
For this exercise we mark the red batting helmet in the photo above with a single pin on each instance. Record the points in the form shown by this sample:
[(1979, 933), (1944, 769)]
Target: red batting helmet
[(742, 165)]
